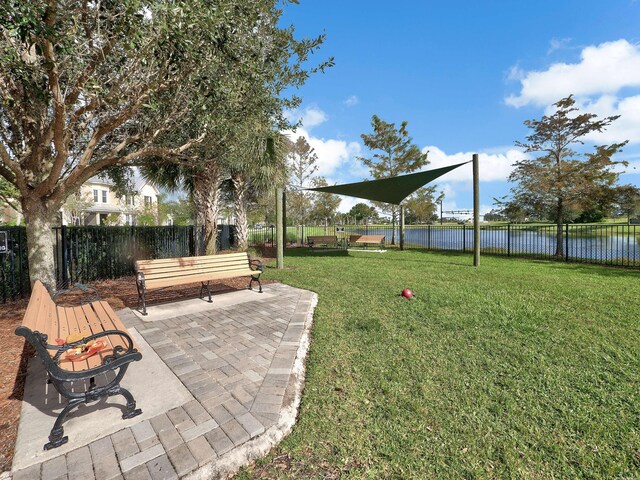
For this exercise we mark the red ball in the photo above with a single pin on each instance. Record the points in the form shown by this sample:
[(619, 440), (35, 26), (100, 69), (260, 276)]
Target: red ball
[(406, 293)]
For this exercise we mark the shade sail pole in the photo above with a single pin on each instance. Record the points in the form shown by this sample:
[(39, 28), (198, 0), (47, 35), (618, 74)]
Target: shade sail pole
[(476, 211), (279, 229), (401, 227)]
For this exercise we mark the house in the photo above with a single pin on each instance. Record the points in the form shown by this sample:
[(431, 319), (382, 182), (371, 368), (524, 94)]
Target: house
[(97, 204)]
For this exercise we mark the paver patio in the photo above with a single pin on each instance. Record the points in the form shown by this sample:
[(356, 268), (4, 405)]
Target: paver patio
[(241, 360)]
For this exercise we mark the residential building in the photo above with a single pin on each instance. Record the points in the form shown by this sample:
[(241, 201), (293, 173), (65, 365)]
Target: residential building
[(97, 204)]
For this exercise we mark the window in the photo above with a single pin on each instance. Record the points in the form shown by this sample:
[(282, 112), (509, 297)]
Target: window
[(104, 196), (128, 199), (95, 195), (147, 201)]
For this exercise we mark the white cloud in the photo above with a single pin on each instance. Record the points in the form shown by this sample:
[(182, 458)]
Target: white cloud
[(310, 117), (332, 154), (493, 166), (558, 44), (351, 101), (603, 69), (627, 127)]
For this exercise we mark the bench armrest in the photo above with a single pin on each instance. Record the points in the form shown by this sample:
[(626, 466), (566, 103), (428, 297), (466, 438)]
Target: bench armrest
[(256, 264), (120, 356)]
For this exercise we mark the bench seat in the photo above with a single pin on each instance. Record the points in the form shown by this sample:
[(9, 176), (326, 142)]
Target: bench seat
[(47, 327), (367, 240)]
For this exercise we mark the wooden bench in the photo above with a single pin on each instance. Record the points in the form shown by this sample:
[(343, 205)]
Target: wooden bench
[(326, 240), (44, 322), (170, 272), (367, 240)]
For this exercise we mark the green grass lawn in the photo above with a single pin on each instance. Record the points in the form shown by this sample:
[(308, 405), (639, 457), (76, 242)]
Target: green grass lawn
[(516, 369)]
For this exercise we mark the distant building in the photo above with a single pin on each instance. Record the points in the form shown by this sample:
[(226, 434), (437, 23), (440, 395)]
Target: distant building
[(97, 204)]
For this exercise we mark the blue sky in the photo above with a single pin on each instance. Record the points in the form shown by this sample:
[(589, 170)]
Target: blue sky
[(465, 75)]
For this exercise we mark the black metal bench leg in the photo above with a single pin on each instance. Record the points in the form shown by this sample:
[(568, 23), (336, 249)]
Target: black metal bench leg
[(131, 410), (56, 437), (255, 280), (206, 285)]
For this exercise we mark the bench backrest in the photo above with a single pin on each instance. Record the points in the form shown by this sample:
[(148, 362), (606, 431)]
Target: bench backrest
[(181, 266), (41, 313), (322, 239)]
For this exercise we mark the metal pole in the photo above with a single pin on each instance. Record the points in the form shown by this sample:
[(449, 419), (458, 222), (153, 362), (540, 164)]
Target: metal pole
[(401, 227), (476, 211), (279, 229), (284, 217)]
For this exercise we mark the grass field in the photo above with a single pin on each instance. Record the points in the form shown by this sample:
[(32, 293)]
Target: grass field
[(517, 369)]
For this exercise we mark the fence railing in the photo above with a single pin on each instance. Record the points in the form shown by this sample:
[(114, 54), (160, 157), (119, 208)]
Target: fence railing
[(609, 244), (91, 253)]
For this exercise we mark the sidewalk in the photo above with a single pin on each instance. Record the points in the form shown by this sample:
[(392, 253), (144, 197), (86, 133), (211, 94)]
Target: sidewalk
[(219, 384)]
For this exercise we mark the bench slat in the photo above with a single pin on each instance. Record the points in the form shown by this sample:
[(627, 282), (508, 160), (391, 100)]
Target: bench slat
[(191, 261), (198, 271), (204, 277), (165, 271), (68, 315)]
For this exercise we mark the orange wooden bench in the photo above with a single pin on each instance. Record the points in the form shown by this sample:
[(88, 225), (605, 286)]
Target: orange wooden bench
[(170, 272), (44, 322), (367, 240)]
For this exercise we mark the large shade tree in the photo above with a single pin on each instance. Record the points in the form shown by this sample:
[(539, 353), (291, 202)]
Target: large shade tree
[(560, 182), (89, 86), (85, 86)]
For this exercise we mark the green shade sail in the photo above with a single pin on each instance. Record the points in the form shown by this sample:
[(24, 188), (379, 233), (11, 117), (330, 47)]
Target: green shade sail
[(389, 190)]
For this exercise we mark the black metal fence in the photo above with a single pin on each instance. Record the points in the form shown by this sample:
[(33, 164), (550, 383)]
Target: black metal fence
[(608, 244), (91, 253), (14, 267)]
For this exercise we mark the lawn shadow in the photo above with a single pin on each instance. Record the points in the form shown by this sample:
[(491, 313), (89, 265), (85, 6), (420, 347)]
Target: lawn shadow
[(306, 252)]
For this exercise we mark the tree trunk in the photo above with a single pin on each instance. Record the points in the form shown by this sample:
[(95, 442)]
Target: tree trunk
[(207, 198), (240, 188), (559, 249), (39, 220)]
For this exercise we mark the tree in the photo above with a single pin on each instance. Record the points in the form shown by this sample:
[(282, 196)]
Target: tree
[(627, 200), (302, 160), (395, 154), (560, 182), (324, 205), (90, 85), (421, 206), (361, 212)]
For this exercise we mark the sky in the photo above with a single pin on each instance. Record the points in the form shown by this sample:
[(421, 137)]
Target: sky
[(465, 75)]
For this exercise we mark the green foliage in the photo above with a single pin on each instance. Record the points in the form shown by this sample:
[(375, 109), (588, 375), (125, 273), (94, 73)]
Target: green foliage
[(363, 212), (590, 216), (301, 165), (516, 369), (421, 206), (560, 182), (394, 153), (325, 205)]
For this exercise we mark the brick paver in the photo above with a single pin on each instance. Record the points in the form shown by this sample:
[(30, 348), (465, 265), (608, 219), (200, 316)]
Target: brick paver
[(236, 361)]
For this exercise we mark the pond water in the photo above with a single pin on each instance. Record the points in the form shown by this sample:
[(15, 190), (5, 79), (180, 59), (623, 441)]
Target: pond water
[(580, 244)]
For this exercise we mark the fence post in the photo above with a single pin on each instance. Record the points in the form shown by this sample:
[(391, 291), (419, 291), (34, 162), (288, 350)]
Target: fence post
[(464, 238), (63, 259), (566, 242), (428, 237), (508, 239)]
